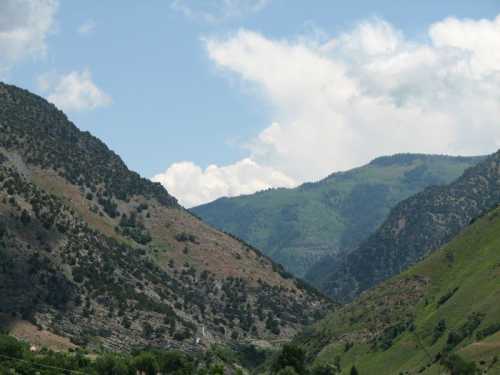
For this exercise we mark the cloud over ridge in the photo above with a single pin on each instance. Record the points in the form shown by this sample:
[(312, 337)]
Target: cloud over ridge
[(199, 186), (24, 27), (366, 92), (74, 91)]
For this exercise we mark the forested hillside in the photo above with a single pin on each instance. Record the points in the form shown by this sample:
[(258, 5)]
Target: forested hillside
[(91, 251), (413, 229), (298, 227)]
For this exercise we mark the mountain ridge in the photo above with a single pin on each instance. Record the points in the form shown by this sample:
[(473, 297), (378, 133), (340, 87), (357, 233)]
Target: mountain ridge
[(298, 227), (414, 228)]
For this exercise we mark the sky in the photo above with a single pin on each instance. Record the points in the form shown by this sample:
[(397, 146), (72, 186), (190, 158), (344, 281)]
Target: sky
[(218, 98)]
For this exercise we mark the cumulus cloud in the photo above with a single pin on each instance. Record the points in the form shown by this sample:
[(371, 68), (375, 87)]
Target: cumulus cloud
[(74, 91), (86, 28), (214, 11), (479, 38), (24, 26), (367, 92), (194, 186)]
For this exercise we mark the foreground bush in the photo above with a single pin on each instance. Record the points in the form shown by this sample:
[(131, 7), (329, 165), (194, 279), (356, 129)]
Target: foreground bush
[(16, 358)]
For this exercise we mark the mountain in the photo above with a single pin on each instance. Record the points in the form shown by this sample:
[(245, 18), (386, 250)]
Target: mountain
[(298, 227), (442, 313), (91, 251), (413, 229)]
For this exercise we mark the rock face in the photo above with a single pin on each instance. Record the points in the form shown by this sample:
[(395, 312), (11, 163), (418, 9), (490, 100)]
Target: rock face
[(94, 252), (414, 228), (300, 227)]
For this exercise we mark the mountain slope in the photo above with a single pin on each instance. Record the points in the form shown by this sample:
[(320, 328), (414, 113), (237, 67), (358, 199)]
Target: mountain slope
[(94, 252), (297, 227), (413, 323), (414, 228)]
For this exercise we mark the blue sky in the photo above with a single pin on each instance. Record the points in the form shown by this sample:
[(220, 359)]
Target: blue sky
[(164, 82)]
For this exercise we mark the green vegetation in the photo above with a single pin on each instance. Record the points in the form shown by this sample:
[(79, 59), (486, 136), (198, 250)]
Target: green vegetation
[(440, 316), (47, 139), (414, 228), (93, 252), (133, 228), (290, 358), (83, 260), (488, 331), (458, 366), (297, 227), (16, 358), (185, 237)]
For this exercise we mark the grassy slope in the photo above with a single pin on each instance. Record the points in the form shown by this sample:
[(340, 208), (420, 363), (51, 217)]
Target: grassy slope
[(471, 262), (296, 227)]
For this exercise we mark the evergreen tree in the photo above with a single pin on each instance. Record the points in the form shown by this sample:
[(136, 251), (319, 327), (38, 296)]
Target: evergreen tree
[(146, 363), (291, 356)]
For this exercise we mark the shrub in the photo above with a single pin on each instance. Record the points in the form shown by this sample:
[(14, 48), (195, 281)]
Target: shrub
[(438, 331), (488, 331), (146, 363), (390, 334), (458, 366), (175, 363), (443, 299), (111, 364), (185, 237), (217, 369), (10, 347), (457, 336), (291, 356)]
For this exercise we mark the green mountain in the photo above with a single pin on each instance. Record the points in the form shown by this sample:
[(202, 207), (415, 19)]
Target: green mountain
[(298, 227), (441, 314), (413, 229), (91, 251)]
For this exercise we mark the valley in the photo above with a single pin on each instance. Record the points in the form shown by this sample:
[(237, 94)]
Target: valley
[(101, 265), (302, 228)]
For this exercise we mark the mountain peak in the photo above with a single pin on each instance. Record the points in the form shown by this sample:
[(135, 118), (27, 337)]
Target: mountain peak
[(46, 138), (410, 158)]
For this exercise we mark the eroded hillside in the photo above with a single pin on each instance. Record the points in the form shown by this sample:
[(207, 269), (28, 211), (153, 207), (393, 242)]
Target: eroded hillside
[(96, 253)]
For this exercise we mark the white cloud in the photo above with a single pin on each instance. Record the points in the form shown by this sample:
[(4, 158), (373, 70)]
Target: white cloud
[(194, 186), (86, 28), (74, 91), (24, 26), (480, 39), (368, 92), (213, 11)]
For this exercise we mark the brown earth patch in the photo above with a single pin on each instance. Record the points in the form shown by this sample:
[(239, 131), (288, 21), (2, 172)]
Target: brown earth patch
[(28, 332)]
